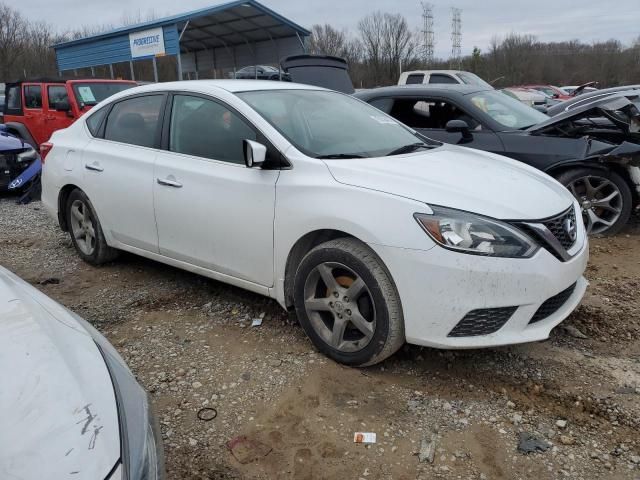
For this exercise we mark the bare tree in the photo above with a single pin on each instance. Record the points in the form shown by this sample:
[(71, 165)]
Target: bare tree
[(12, 39), (326, 40)]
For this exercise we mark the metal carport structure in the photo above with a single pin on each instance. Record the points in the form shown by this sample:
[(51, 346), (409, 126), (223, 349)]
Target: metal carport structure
[(226, 36)]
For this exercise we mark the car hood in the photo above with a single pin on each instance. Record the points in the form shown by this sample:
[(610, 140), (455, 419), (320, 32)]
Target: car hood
[(617, 108), (57, 403), (461, 178), (9, 143)]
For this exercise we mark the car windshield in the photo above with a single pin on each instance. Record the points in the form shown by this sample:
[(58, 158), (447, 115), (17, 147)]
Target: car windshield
[(325, 124), (506, 110), (92, 93), (473, 79)]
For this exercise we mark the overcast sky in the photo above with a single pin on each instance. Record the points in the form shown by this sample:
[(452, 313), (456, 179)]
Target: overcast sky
[(549, 20)]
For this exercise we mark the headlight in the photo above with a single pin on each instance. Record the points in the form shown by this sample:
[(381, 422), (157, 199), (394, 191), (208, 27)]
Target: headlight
[(141, 448), (475, 234), (28, 155)]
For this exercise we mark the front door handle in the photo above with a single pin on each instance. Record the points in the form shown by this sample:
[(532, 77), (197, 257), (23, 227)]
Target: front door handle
[(94, 166), (169, 183)]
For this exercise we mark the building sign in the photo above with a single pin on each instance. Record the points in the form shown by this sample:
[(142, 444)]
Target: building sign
[(147, 43)]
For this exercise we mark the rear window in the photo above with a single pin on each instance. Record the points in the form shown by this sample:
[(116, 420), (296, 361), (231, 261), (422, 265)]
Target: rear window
[(91, 93), (14, 99), (415, 79), (135, 121)]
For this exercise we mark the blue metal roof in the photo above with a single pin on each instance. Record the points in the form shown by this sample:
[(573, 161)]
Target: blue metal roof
[(185, 17)]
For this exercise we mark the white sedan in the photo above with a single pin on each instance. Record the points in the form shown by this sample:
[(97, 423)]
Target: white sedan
[(69, 406), (374, 234)]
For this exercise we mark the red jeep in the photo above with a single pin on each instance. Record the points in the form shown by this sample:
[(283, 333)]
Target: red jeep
[(34, 109)]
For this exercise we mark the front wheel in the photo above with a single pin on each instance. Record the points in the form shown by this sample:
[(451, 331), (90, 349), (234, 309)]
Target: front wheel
[(604, 196), (347, 303)]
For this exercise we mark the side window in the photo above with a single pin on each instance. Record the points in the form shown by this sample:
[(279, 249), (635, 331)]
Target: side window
[(33, 96), (135, 121), (95, 120), (208, 129), (429, 113), (441, 78), (415, 79), (14, 99), (55, 94)]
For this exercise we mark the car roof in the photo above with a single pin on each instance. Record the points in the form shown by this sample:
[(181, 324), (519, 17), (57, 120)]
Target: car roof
[(432, 89), (409, 72), (232, 86)]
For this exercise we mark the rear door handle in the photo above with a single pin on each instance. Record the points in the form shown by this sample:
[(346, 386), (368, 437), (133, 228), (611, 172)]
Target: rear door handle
[(169, 183), (94, 167)]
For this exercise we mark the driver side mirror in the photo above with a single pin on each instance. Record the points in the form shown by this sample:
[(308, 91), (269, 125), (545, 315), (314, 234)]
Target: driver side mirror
[(459, 126), (254, 154)]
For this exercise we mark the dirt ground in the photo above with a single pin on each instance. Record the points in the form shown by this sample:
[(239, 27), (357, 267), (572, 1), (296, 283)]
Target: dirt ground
[(292, 413)]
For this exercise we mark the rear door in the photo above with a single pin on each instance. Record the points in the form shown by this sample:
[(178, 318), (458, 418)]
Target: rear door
[(211, 210), (118, 170), (429, 116), (53, 119), (33, 108)]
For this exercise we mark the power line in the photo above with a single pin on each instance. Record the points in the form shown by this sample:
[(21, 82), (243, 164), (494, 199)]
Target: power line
[(456, 37), (427, 32)]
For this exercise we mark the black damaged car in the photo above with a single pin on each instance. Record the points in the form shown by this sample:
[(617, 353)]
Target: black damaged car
[(594, 150)]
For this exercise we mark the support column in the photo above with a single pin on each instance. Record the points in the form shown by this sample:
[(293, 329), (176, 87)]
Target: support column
[(93, 72), (155, 70), (133, 75), (179, 68), (111, 70)]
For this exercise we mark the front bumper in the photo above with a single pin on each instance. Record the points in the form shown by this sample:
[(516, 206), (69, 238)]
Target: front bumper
[(438, 288)]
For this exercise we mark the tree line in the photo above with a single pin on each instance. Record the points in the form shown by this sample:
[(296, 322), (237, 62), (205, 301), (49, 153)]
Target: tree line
[(377, 50)]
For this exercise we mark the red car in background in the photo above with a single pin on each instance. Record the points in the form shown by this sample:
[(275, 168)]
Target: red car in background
[(550, 90), (34, 109)]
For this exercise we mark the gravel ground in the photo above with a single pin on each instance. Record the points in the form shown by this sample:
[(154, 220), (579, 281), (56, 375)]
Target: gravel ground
[(293, 413)]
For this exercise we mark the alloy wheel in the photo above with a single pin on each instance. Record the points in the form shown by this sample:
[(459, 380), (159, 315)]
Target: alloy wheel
[(601, 202), (340, 307), (82, 227)]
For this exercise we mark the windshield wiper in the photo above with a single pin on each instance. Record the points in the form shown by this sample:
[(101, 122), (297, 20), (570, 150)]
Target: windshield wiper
[(408, 148), (341, 155)]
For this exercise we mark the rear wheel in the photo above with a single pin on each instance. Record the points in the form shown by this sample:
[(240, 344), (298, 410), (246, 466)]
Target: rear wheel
[(347, 303), (604, 196), (86, 231)]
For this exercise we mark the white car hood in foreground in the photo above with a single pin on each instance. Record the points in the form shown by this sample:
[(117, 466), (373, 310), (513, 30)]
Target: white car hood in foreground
[(58, 416), (461, 178)]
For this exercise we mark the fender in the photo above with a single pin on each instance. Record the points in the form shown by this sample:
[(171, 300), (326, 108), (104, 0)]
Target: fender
[(21, 131), (627, 154)]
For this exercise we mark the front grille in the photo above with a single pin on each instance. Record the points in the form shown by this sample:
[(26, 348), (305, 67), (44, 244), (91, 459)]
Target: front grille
[(556, 226), (482, 322), (552, 305)]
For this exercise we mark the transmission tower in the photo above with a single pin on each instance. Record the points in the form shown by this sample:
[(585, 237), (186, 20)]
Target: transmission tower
[(456, 37), (427, 32)]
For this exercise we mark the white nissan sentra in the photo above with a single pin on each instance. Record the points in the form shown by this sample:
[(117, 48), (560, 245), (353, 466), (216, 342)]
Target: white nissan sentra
[(374, 234)]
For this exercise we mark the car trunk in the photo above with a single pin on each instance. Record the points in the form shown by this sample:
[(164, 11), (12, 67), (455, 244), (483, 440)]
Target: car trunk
[(320, 71)]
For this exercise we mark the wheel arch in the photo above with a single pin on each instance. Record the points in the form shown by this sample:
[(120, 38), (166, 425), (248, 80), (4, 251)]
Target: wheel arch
[(300, 248), (63, 196), (20, 130)]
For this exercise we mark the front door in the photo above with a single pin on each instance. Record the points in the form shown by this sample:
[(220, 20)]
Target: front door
[(211, 210)]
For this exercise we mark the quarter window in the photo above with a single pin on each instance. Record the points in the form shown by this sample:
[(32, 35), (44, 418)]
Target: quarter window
[(95, 120), (208, 129), (135, 121), (33, 96), (440, 78)]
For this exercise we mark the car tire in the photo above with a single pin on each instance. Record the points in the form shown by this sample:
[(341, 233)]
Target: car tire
[(85, 230), (604, 183), (358, 331)]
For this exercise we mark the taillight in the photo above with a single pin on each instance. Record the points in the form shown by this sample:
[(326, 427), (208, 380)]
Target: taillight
[(45, 148)]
